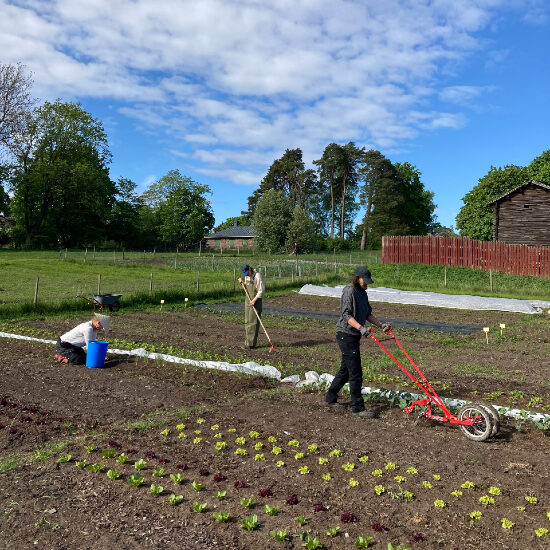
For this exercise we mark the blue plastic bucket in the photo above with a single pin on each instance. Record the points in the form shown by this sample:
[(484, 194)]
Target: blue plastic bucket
[(95, 357)]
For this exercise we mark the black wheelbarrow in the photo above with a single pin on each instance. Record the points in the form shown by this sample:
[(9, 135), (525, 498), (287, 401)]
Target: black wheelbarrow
[(112, 301)]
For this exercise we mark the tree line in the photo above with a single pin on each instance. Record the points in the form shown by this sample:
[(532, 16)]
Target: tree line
[(55, 190)]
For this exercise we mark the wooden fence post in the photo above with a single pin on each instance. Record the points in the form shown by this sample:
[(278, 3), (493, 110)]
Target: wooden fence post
[(85, 255), (234, 279), (198, 281), (316, 270), (123, 256), (36, 292), (491, 279), (65, 254), (445, 271), (114, 255), (99, 284), (151, 285), (93, 257), (212, 262)]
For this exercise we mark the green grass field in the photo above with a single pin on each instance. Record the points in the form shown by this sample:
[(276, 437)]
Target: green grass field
[(64, 276)]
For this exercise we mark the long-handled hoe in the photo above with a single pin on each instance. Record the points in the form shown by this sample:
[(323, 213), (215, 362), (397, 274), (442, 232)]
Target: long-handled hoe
[(272, 348)]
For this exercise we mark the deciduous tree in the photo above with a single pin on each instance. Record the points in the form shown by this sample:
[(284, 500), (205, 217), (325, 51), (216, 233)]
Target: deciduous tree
[(272, 217)]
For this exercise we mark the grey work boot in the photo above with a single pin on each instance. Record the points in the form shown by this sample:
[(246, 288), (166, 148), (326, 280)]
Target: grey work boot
[(335, 406), (365, 414)]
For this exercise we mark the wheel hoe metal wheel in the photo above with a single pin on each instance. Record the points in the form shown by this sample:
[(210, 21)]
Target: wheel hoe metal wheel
[(482, 427), (495, 417)]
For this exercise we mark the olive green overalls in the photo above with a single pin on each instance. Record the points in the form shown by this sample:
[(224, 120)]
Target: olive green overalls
[(251, 323)]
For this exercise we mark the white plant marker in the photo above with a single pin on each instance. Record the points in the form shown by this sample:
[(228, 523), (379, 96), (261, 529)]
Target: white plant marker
[(161, 302), (486, 331), (185, 305), (502, 326)]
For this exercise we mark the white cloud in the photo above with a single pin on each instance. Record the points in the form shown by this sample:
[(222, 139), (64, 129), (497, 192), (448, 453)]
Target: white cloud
[(250, 78)]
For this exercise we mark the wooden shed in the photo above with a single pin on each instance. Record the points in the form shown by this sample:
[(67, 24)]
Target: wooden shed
[(522, 216)]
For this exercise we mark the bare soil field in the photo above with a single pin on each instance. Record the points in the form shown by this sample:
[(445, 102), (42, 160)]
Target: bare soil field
[(420, 486)]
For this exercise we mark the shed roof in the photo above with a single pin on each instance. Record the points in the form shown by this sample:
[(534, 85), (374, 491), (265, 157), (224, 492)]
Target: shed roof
[(233, 232), (530, 182)]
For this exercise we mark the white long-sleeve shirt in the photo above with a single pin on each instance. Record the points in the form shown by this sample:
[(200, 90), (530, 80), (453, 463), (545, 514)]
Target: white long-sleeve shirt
[(80, 335), (258, 283)]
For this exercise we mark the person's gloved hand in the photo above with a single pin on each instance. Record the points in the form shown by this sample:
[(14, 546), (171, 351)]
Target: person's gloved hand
[(364, 331), (386, 327)]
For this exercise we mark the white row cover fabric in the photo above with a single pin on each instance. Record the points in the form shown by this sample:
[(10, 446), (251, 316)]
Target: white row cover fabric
[(312, 378), (434, 299)]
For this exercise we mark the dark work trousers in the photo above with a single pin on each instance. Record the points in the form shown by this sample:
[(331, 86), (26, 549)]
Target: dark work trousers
[(350, 371), (74, 354)]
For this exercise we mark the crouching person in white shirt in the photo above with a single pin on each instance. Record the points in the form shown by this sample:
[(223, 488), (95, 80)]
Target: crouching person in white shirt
[(70, 345)]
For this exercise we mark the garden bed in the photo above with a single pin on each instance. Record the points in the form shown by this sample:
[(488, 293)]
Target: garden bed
[(140, 407)]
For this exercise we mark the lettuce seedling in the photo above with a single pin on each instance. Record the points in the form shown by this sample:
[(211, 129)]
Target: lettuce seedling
[(81, 463), (301, 520), (175, 500), (220, 495), (348, 466), (135, 480), (312, 543), (327, 477), (294, 443), (221, 445), (476, 514), (438, 503), (247, 502), (240, 440), (390, 466), (299, 456), (259, 457), (304, 470), (165, 432), (506, 523), (219, 477), (215, 427), (379, 489), (271, 510), (279, 536), (377, 473), (241, 452), (180, 427), (65, 458), (335, 453), (495, 491), (250, 523), (222, 517), (272, 439), (90, 448), (140, 464), (323, 460), (276, 450), (122, 459), (258, 446), (95, 468), (159, 472), (254, 435), (113, 474), (332, 531), (412, 470), (363, 542), (197, 440), (156, 490), (486, 500), (364, 458), (108, 453), (198, 487), (265, 493), (177, 478), (199, 508), (313, 448), (541, 532), (353, 482)]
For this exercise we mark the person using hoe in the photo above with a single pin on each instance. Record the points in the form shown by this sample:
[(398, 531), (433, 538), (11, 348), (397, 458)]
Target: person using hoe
[(69, 345), (355, 310), (254, 289)]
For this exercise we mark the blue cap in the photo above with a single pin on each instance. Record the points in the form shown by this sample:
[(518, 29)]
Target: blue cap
[(245, 269)]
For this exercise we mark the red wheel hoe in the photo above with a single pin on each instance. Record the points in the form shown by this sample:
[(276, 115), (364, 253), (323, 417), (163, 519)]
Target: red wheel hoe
[(478, 420)]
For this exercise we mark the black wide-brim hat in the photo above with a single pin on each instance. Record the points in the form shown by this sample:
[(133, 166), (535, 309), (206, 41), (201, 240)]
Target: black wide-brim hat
[(364, 273)]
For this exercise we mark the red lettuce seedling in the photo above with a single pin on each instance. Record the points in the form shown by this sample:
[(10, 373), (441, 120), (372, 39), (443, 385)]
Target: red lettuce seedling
[(219, 477), (12, 431), (182, 467), (348, 517), (320, 508), (241, 484), (131, 451), (150, 454), (163, 461), (418, 537), (291, 501), (204, 472), (113, 443), (379, 528), (265, 493)]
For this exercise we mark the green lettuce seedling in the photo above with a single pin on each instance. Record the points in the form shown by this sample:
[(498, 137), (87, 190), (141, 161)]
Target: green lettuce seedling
[(122, 459), (363, 542), (250, 523), (272, 510), (301, 520), (113, 474), (90, 448), (198, 487), (159, 472), (66, 458), (95, 468), (247, 502), (312, 543), (135, 480), (81, 463), (199, 508), (222, 517), (108, 453), (220, 495), (332, 531), (177, 478), (140, 464), (156, 490), (175, 500), (279, 536)]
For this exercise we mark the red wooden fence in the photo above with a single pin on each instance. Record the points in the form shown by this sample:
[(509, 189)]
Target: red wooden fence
[(518, 259)]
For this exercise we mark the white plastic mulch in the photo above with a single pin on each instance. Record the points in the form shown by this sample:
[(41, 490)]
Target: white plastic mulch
[(250, 367), (455, 301)]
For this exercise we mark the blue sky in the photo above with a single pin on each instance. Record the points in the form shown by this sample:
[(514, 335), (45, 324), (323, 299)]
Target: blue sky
[(220, 88)]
